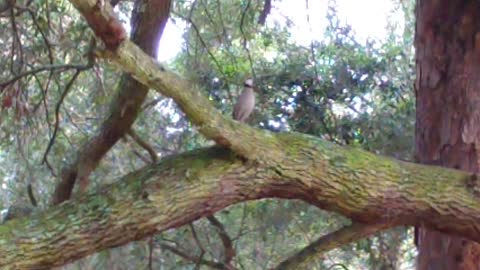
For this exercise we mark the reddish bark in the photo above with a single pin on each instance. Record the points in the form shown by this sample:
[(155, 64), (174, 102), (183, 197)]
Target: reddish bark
[(109, 30), (148, 21), (448, 111)]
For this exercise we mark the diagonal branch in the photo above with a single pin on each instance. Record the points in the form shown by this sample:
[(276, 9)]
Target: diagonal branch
[(307, 256), (145, 145), (192, 258), (147, 30), (40, 69), (248, 142), (243, 140), (227, 242), (65, 92), (245, 42)]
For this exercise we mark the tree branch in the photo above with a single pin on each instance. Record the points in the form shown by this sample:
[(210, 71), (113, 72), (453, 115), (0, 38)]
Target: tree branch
[(183, 188), (147, 30), (65, 92), (227, 242), (193, 259), (244, 140), (40, 69), (307, 256), (145, 145)]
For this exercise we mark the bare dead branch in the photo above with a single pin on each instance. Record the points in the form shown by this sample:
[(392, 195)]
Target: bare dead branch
[(65, 92), (197, 240), (202, 41), (245, 41), (145, 145), (16, 44), (227, 242), (40, 30), (192, 258), (142, 157), (151, 246), (58, 67), (31, 196), (311, 253)]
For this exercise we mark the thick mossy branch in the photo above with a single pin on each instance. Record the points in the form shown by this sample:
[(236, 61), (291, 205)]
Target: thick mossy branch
[(242, 139), (180, 189)]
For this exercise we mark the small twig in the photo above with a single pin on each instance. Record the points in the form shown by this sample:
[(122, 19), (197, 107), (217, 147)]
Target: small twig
[(242, 21), (21, 143), (242, 222), (312, 47), (150, 253), (143, 144), (47, 12), (140, 156), (43, 101), (33, 201), (15, 41), (72, 121), (40, 69), (204, 44), (210, 19), (220, 17), (153, 103), (50, 168), (197, 240), (57, 111), (191, 258), (44, 37), (227, 42)]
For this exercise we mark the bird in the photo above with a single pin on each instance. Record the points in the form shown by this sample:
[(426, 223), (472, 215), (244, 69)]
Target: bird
[(245, 103)]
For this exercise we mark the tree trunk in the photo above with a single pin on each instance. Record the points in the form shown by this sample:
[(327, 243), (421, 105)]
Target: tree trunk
[(448, 111), (148, 21)]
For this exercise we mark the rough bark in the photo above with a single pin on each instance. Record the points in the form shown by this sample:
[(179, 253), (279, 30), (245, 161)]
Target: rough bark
[(210, 122), (447, 44), (180, 189), (148, 21)]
